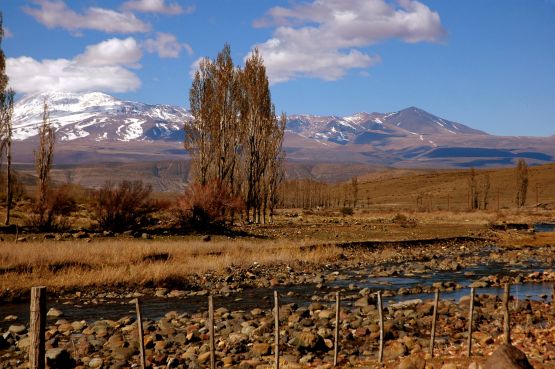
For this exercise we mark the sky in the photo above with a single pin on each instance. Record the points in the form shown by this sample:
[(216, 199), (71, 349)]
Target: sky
[(489, 64)]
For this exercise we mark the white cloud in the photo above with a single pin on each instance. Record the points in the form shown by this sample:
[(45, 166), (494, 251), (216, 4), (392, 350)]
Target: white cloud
[(166, 45), (114, 51), (155, 6), (324, 38), (194, 67), (55, 13), (7, 33), (83, 73)]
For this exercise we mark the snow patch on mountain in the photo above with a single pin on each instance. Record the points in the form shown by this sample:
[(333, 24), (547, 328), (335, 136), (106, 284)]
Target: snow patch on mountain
[(100, 117), (97, 116)]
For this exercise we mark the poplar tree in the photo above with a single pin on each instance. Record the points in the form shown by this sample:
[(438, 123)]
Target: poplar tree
[(6, 112), (521, 182), (235, 139), (43, 164)]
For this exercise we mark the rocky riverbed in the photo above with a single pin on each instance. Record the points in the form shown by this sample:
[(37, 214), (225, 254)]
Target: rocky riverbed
[(244, 324), (245, 338)]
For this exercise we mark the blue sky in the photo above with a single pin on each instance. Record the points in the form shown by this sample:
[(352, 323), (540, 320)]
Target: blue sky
[(485, 63)]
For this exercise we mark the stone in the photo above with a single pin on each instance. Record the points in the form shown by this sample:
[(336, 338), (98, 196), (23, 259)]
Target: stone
[(96, 362), (17, 329), (479, 284), (449, 366), (394, 350), (308, 341), (54, 313), (24, 343), (484, 338), (260, 349), (362, 302), (123, 353), (408, 304), (203, 358), (412, 362), (58, 358), (10, 318), (507, 357)]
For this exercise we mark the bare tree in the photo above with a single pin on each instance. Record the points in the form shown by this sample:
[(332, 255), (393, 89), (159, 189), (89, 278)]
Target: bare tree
[(6, 112), (473, 193), (354, 186), (521, 182), (235, 138), (43, 164), (198, 131), (486, 185)]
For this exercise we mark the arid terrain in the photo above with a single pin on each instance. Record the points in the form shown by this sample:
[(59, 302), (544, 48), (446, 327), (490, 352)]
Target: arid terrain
[(307, 257)]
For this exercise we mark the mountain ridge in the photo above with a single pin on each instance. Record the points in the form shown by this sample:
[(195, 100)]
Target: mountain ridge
[(96, 126)]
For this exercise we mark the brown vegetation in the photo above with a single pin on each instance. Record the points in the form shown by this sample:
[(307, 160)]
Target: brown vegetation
[(122, 206), (234, 138), (112, 262)]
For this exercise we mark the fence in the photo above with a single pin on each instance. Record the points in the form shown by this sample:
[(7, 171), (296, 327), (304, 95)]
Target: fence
[(38, 325)]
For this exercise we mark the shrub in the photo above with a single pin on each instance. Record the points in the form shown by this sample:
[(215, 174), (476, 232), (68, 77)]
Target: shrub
[(122, 206), (404, 221), (347, 211), (206, 204), (52, 214)]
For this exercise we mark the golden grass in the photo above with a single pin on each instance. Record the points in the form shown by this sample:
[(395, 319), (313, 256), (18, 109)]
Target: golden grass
[(105, 263)]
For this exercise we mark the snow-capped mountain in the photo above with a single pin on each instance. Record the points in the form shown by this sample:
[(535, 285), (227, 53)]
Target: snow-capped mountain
[(364, 128), (98, 117), (95, 127)]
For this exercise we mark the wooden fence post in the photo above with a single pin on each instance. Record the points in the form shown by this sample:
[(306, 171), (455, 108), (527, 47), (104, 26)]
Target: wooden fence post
[(211, 330), (507, 323), (37, 325), (336, 342), (276, 326), (141, 333), (470, 319), (434, 319), (380, 312)]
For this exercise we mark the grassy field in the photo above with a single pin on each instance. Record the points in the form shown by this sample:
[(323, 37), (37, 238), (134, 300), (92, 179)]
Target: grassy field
[(107, 261), (137, 262), (391, 215), (443, 189)]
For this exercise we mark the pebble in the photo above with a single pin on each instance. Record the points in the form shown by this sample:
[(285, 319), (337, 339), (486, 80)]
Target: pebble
[(54, 313)]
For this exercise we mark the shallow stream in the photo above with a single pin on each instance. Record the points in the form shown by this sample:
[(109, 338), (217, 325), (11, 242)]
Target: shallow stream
[(354, 280)]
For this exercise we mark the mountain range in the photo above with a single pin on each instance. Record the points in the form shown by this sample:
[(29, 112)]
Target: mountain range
[(96, 127)]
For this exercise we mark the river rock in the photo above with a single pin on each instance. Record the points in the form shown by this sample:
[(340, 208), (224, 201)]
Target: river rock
[(449, 366), (362, 302), (308, 341), (260, 349), (507, 357), (96, 362), (58, 358), (484, 338), (17, 329), (408, 304), (412, 362), (203, 358), (54, 313), (394, 350), (479, 284)]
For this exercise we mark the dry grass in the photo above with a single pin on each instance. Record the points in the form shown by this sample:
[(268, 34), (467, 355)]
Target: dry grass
[(106, 263), (399, 189)]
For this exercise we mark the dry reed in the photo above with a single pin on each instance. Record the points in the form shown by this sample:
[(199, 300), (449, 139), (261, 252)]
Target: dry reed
[(105, 263)]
